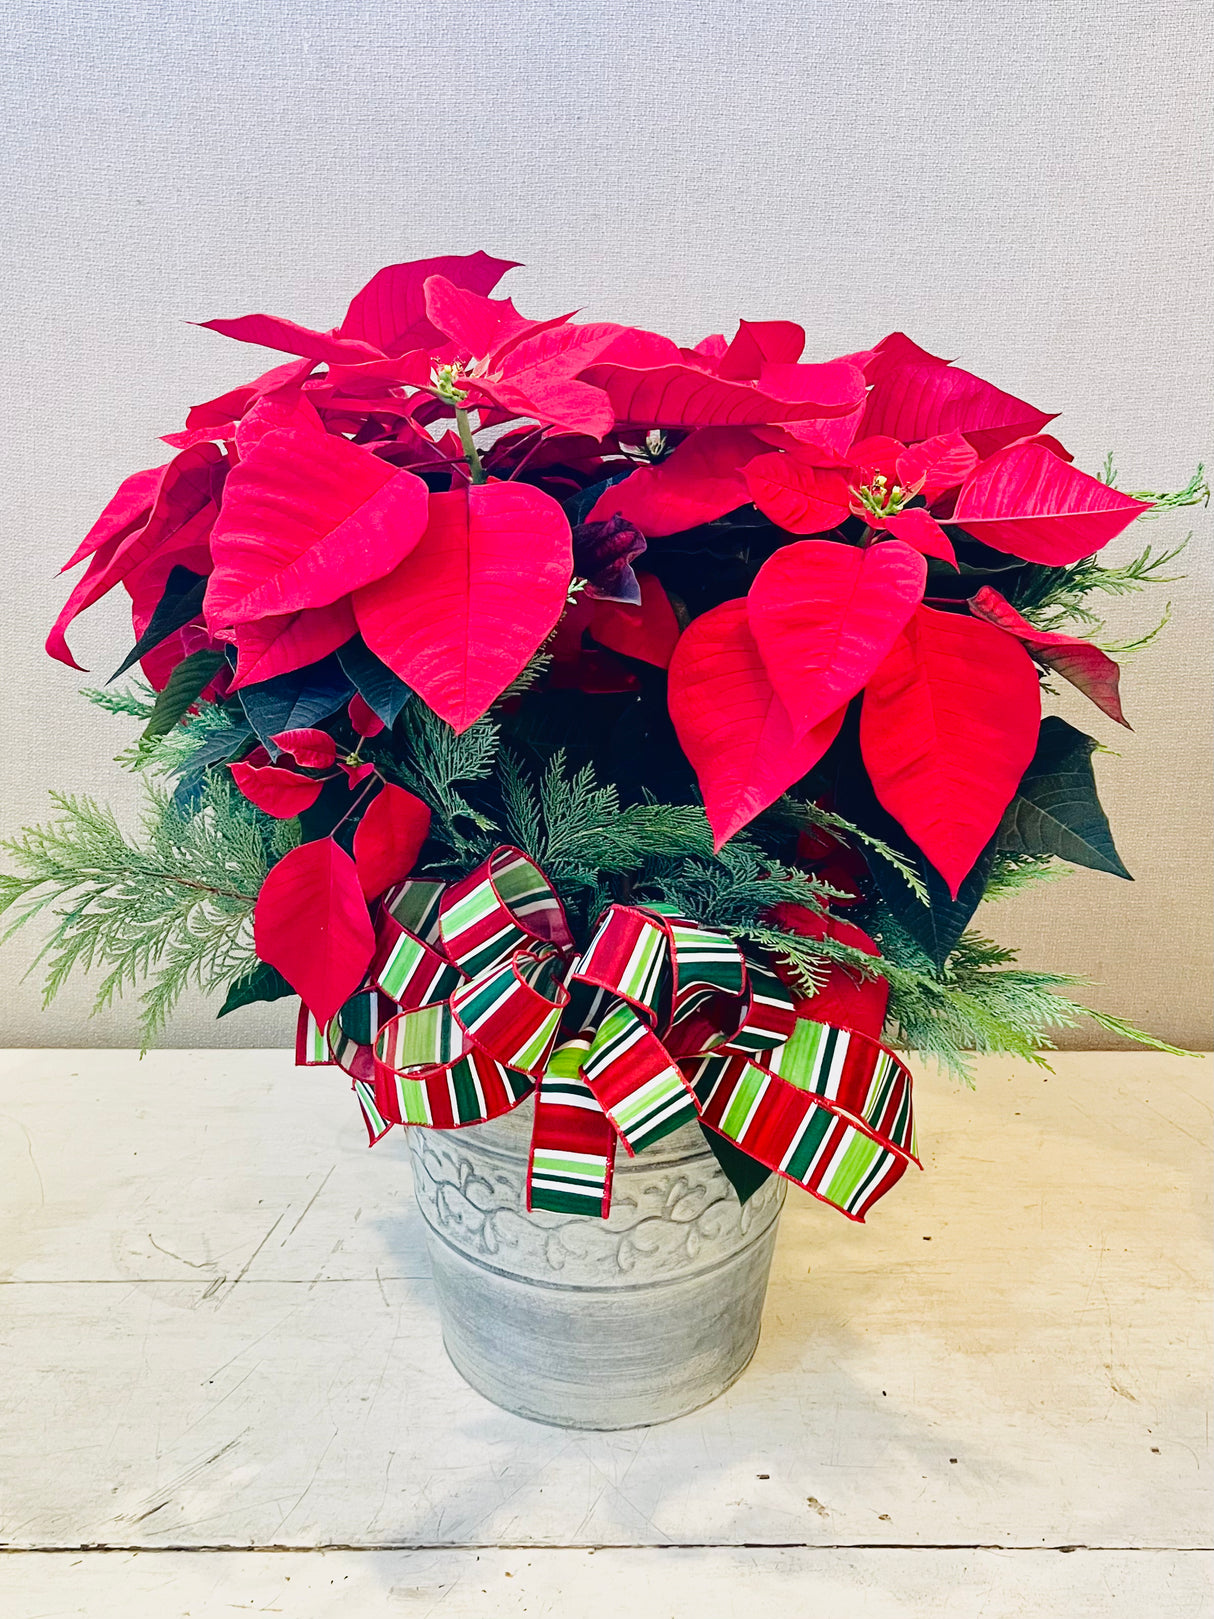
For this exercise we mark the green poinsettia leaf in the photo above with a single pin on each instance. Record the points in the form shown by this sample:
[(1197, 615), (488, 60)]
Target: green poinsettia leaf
[(182, 601), (185, 685), (384, 693), (1056, 810), (744, 1173), (937, 926), (266, 984), (219, 748), (295, 701)]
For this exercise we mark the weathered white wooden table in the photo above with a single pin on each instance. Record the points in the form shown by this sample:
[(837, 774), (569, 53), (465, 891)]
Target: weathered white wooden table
[(223, 1387)]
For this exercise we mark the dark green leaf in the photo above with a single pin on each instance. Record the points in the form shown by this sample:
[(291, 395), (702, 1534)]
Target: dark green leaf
[(645, 755), (182, 601), (327, 816), (580, 504), (187, 682), (938, 925), (296, 700), (1056, 810), (266, 984), (384, 692), (744, 1173), (547, 719), (219, 748)]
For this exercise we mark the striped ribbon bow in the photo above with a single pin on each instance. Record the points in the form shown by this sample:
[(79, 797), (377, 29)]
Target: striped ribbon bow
[(477, 997)]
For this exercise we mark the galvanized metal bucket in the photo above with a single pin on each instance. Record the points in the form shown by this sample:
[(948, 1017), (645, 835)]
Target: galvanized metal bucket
[(618, 1323)]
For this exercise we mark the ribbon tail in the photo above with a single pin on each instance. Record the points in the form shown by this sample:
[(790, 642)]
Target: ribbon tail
[(837, 1122), (311, 1042), (636, 1081), (572, 1142), (377, 1125)]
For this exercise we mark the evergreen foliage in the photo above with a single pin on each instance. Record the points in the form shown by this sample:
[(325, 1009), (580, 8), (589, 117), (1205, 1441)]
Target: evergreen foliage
[(174, 905), (173, 908), (436, 763), (1055, 599)]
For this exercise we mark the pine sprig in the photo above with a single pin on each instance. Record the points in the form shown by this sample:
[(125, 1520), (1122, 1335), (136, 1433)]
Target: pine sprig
[(136, 700), (435, 764), (1195, 493), (981, 1002), (1128, 1031), (798, 815), (203, 737), (586, 832), (1055, 598), (736, 889), (1012, 873), (591, 849), (174, 908)]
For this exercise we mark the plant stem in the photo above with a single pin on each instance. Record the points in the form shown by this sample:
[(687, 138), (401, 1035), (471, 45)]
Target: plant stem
[(470, 449), (108, 875), (361, 795)]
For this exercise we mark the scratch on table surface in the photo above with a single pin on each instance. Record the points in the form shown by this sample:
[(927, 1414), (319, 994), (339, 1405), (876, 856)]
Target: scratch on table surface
[(29, 1147), (211, 1409), (389, 1356), (1170, 1120), (261, 1338), (194, 1264), (315, 1471), (308, 1207), (645, 1434), (244, 1269), (609, 1485), (1095, 1277), (383, 1494), (187, 1476)]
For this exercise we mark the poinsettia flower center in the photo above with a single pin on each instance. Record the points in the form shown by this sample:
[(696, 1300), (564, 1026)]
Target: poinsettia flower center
[(447, 381), (880, 498)]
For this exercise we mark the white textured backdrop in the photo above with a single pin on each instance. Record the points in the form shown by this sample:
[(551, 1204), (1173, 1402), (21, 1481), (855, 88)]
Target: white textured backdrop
[(1015, 183)]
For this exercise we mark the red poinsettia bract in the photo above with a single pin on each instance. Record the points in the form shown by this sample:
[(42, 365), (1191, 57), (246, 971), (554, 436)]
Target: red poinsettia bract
[(342, 499), (311, 922), (947, 728)]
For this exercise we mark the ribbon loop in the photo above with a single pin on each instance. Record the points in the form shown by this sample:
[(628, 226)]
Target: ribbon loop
[(409, 970), (514, 1011), (635, 1082), (628, 956), (706, 963), (428, 1072), (475, 998), (836, 1118), (352, 1033), (505, 904), (770, 1016)]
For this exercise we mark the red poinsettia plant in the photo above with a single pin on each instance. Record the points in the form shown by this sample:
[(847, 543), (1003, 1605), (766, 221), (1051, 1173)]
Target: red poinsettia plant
[(768, 636)]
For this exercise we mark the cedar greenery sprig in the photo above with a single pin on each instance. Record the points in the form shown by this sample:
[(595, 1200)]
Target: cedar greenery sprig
[(1056, 598), (174, 908), (435, 763)]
